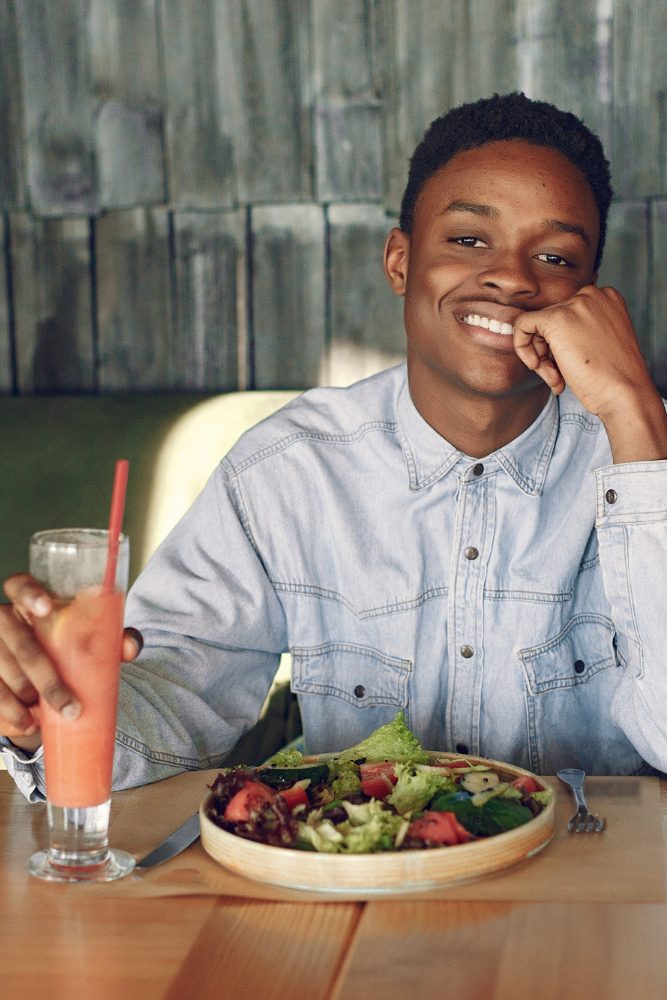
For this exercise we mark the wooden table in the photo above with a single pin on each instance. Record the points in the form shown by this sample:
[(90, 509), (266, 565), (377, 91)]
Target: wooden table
[(57, 944)]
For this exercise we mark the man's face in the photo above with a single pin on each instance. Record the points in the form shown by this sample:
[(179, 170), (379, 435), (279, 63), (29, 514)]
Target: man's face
[(499, 230)]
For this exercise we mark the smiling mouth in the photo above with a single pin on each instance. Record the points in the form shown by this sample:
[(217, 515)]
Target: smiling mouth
[(494, 325)]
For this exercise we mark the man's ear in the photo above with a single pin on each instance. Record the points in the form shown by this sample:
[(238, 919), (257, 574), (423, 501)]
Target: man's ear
[(396, 252)]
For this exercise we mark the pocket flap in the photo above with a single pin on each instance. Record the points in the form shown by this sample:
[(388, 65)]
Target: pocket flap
[(360, 675), (579, 651)]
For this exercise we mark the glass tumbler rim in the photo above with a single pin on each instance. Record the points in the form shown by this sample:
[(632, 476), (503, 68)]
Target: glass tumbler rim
[(64, 538)]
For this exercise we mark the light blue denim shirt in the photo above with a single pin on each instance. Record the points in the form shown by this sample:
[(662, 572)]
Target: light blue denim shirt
[(513, 607)]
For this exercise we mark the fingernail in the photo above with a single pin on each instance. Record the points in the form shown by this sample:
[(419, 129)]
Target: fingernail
[(71, 711), (42, 606)]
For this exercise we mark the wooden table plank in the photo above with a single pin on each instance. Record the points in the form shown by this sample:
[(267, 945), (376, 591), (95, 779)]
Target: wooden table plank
[(268, 950), (73, 948), (507, 951)]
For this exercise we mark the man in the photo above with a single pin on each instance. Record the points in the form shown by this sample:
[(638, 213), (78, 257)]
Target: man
[(478, 537)]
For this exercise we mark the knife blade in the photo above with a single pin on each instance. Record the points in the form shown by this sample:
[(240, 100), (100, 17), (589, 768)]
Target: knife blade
[(176, 842)]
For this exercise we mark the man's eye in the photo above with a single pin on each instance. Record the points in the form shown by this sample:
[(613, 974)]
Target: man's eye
[(469, 241), (554, 258)]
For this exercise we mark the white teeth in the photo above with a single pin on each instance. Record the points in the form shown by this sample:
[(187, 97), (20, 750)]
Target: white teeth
[(494, 325)]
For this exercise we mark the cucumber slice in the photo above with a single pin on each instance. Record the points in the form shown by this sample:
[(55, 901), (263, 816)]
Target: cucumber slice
[(281, 777)]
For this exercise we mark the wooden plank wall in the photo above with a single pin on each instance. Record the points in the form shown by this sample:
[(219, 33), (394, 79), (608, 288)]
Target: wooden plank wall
[(195, 195)]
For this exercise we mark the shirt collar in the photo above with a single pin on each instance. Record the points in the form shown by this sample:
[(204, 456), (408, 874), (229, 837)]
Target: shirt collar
[(428, 456)]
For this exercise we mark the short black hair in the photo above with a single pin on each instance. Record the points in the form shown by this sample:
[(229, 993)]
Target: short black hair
[(509, 116)]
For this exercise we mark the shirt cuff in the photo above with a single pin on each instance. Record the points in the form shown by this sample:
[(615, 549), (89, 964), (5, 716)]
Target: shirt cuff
[(631, 490), (21, 767)]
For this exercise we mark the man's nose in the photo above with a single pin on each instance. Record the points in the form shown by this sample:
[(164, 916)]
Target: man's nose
[(511, 274)]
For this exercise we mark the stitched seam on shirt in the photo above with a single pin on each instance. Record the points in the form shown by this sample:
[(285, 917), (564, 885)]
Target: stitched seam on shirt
[(528, 595), (284, 443), (533, 484), (534, 652), (590, 563), (315, 652), (619, 520), (368, 701), (244, 519), (557, 683), (578, 418), (636, 638), (311, 590), (157, 757)]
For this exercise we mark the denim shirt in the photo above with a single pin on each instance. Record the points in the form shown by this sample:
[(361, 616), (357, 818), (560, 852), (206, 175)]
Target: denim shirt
[(512, 606)]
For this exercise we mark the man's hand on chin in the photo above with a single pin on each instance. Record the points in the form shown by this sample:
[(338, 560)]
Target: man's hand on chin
[(588, 343)]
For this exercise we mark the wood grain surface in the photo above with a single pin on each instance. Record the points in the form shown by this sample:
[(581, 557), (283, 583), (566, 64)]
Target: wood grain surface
[(59, 942)]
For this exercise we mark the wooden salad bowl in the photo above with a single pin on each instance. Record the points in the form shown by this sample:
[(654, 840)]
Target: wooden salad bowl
[(390, 872)]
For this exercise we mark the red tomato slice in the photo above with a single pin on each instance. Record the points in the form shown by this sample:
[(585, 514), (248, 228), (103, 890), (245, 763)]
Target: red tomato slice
[(377, 780), (248, 801), (526, 785), (384, 767), (377, 788), (439, 828), (294, 797)]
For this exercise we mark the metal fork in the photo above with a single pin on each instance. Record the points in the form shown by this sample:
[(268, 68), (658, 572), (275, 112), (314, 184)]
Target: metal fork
[(583, 820)]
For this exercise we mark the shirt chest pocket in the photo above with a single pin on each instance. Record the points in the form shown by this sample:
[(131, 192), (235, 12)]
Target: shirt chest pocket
[(355, 687), (573, 657), (360, 675), (569, 688)]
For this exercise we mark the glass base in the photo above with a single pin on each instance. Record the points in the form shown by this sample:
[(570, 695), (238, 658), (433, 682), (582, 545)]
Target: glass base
[(115, 865)]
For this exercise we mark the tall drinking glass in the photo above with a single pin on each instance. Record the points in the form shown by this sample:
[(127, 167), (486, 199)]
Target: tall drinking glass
[(83, 636)]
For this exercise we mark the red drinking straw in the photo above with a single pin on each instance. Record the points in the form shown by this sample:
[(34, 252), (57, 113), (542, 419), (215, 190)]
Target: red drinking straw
[(115, 522)]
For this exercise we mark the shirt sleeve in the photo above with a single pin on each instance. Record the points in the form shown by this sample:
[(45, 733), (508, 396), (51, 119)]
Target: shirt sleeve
[(632, 532), (213, 632)]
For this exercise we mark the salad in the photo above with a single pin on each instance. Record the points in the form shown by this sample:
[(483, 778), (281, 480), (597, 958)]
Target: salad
[(385, 793)]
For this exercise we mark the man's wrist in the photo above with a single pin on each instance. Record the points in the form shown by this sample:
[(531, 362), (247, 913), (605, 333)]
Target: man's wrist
[(637, 428)]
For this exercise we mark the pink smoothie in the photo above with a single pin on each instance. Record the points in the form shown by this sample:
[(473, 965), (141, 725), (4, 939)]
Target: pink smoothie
[(84, 639)]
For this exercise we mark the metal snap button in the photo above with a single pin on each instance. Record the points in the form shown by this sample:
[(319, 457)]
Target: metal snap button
[(359, 691), (471, 552), (477, 469), (461, 748), (579, 666), (467, 652), (611, 496)]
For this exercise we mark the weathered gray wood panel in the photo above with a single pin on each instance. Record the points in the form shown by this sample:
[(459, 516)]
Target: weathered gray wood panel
[(136, 336), (6, 371), (209, 254), (56, 83), (415, 42), (484, 56), (206, 105), (564, 56), (658, 293), (347, 109), (11, 151), (433, 55), (625, 263), (639, 150), (272, 61), (128, 102), (288, 296), (202, 96), (52, 304), (366, 318)]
